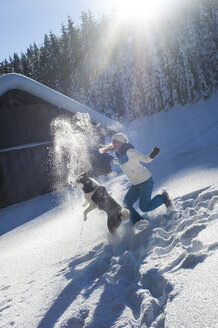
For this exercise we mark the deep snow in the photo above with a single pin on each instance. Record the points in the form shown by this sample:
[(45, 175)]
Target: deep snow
[(57, 271)]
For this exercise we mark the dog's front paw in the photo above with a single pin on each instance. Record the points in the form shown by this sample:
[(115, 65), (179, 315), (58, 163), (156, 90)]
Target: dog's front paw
[(85, 218)]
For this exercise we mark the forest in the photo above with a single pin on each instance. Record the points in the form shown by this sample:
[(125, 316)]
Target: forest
[(128, 71)]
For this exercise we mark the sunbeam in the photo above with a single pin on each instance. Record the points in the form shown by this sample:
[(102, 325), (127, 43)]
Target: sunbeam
[(139, 11)]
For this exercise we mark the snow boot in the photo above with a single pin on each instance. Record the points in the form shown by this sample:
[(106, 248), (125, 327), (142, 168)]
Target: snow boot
[(167, 200)]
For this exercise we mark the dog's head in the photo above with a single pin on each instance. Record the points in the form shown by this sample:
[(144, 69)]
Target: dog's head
[(82, 179), (86, 183)]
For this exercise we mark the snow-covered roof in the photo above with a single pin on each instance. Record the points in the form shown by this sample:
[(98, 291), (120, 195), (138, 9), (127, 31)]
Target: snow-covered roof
[(25, 146), (17, 81)]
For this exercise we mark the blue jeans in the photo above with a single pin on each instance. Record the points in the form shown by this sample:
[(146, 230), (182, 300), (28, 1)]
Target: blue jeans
[(142, 192)]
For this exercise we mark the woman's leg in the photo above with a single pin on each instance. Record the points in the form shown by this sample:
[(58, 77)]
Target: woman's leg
[(147, 204), (130, 198)]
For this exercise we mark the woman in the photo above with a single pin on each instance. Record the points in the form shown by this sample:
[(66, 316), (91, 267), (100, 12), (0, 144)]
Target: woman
[(142, 183)]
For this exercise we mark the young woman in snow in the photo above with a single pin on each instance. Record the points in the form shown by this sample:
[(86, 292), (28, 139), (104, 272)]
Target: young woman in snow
[(142, 183)]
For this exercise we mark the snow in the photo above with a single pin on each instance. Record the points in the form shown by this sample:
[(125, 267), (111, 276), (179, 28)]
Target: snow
[(199, 308), (18, 81), (58, 271)]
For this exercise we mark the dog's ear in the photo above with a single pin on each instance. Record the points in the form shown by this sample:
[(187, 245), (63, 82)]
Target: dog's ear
[(81, 177)]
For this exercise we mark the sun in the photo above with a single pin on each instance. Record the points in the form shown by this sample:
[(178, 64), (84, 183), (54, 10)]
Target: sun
[(138, 11)]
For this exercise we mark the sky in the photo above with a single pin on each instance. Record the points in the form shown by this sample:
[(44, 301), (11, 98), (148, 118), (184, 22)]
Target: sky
[(24, 22)]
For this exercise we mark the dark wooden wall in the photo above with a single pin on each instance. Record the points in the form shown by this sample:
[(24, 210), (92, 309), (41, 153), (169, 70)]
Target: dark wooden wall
[(26, 140), (24, 173), (25, 124)]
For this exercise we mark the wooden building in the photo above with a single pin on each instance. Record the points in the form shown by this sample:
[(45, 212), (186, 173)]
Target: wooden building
[(26, 142)]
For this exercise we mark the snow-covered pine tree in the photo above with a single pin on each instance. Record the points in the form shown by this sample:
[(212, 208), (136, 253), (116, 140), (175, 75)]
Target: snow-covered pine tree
[(137, 100), (29, 56), (48, 62), (126, 68), (208, 49), (64, 69), (25, 67), (155, 103), (55, 62), (16, 63), (165, 72), (6, 67), (89, 37), (178, 77), (44, 64), (75, 58), (35, 62)]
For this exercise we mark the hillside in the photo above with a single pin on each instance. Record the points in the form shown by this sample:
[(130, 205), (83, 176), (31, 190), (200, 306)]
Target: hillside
[(57, 271)]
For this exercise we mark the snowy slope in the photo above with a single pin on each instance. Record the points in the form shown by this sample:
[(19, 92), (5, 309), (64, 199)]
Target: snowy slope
[(57, 271)]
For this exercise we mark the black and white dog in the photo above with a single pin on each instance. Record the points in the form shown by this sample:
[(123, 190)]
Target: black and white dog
[(97, 196)]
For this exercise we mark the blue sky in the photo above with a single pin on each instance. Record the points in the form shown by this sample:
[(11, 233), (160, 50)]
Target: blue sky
[(26, 21)]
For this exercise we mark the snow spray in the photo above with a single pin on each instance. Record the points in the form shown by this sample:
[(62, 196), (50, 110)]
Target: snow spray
[(73, 141)]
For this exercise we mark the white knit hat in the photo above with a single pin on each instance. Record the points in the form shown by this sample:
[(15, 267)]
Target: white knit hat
[(120, 137)]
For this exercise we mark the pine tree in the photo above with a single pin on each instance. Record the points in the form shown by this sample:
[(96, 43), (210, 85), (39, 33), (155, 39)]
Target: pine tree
[(25, 67), (55, 62), (5, 67), (16, 63), (2, 68), (89, 37), (75, 57), (47, 73), (208, 50), (70, 59), (35, 62)]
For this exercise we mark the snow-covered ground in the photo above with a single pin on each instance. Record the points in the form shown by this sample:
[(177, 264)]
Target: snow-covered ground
[(58, 271)]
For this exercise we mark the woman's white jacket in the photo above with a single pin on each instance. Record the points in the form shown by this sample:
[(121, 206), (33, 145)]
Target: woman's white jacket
[(133, 169)]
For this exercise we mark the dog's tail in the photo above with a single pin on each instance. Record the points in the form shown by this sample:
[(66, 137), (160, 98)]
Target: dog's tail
[(125, 213)]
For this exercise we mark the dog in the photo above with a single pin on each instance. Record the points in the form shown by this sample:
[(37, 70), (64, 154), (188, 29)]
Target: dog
[(97, 196)]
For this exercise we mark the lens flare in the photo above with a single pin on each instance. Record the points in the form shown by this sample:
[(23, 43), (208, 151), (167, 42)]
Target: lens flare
[(139, 11)]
